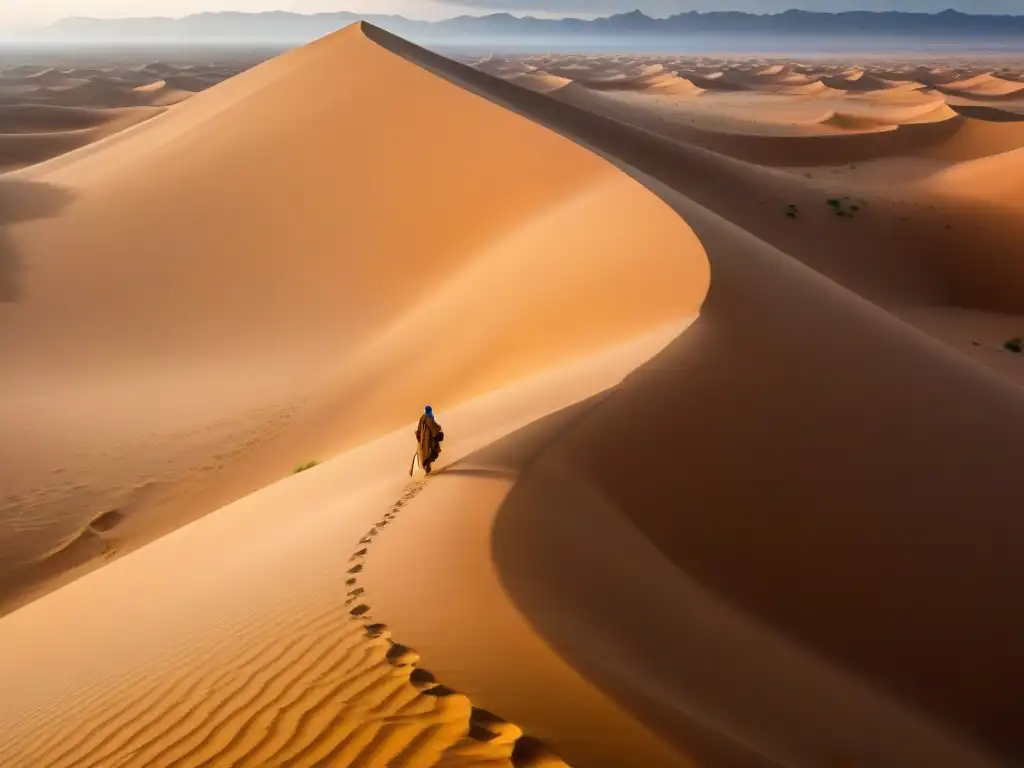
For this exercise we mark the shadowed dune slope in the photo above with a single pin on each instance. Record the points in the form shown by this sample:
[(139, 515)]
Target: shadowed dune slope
[(31, 134), (922, 244), (944, 133), (882, 540)]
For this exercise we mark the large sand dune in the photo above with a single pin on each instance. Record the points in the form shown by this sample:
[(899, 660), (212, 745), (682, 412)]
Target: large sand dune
[(782, 533)]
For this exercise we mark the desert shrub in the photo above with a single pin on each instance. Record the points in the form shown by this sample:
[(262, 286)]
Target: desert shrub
[(1015, 345), (304, 466)]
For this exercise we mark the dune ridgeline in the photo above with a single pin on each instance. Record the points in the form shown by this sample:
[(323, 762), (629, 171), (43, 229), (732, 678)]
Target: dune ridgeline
[(720, 486)]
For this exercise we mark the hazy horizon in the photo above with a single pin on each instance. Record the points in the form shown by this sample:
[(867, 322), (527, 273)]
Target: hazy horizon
[(23, 14)]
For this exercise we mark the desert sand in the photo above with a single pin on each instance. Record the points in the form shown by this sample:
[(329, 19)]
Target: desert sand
[(732, 449), (52, 103)]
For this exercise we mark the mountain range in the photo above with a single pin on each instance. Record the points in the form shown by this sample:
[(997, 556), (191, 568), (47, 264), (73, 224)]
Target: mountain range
[(294, 28)]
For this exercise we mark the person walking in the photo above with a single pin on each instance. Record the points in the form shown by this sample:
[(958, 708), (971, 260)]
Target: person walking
[(428, 440)]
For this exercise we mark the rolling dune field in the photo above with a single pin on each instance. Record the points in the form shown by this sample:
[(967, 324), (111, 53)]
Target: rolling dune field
[(723, 353)]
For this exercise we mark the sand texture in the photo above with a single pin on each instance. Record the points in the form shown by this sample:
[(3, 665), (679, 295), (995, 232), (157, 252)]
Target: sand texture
[(733, 436)]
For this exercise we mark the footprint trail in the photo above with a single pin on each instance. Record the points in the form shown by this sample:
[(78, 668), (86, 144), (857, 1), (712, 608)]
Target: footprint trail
[(488, 739)]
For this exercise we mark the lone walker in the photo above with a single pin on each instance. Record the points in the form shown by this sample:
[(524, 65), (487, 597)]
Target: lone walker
[(428, 441)]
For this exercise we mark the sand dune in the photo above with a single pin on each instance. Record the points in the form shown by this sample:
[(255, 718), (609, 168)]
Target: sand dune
[(540, 81), (703, 477), (653, 80), (162, 94), (984, 86), (44, 118), (587, 451), (310, 379), (862, 81), (988, 115), (47, 112), (816, 88), (31, 134), (499, 66)]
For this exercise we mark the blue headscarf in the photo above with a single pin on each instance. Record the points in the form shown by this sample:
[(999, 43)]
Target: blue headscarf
[(429, 411)]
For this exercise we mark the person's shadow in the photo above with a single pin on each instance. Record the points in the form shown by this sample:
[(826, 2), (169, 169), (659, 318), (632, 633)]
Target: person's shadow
[(22, 201)]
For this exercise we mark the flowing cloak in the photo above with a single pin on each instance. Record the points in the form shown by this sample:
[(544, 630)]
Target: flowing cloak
[(426, 435)]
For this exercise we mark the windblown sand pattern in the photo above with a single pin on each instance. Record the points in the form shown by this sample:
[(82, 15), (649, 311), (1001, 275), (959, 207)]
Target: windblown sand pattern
[(327, 687)]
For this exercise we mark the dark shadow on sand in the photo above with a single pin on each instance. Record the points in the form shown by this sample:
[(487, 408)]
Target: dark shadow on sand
[(22, 201)]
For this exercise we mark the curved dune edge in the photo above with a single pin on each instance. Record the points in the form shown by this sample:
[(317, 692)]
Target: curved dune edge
[(941, 241), (261, 378), (261, 653), (497, 739), (969, 720), (431, 579), (704, 466), (228, 640)]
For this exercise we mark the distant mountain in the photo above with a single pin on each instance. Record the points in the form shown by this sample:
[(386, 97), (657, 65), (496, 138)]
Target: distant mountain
[(292, 28)]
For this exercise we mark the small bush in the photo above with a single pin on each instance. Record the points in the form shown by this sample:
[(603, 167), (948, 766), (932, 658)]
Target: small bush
[(1015, 345), (792, 211), (303, 467)]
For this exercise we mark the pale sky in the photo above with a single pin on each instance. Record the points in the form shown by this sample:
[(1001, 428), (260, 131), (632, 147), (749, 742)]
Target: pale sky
[(22, 13), (34, 12)]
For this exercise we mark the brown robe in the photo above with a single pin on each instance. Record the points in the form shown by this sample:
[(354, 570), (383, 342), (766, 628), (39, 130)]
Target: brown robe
[(427, 432)]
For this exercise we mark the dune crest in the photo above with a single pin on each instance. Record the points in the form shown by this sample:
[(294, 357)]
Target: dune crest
[(304, 338)]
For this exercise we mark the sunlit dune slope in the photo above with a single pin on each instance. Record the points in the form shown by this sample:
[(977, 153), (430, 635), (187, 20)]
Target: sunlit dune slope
[(986, 86), (287, 265), (285, 239)]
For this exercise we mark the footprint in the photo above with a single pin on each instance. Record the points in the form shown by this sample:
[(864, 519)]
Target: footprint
[(107, 521), (531, 753), (440, 691), (422, 679), (484, 727), (487, 727), (402, 656)]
